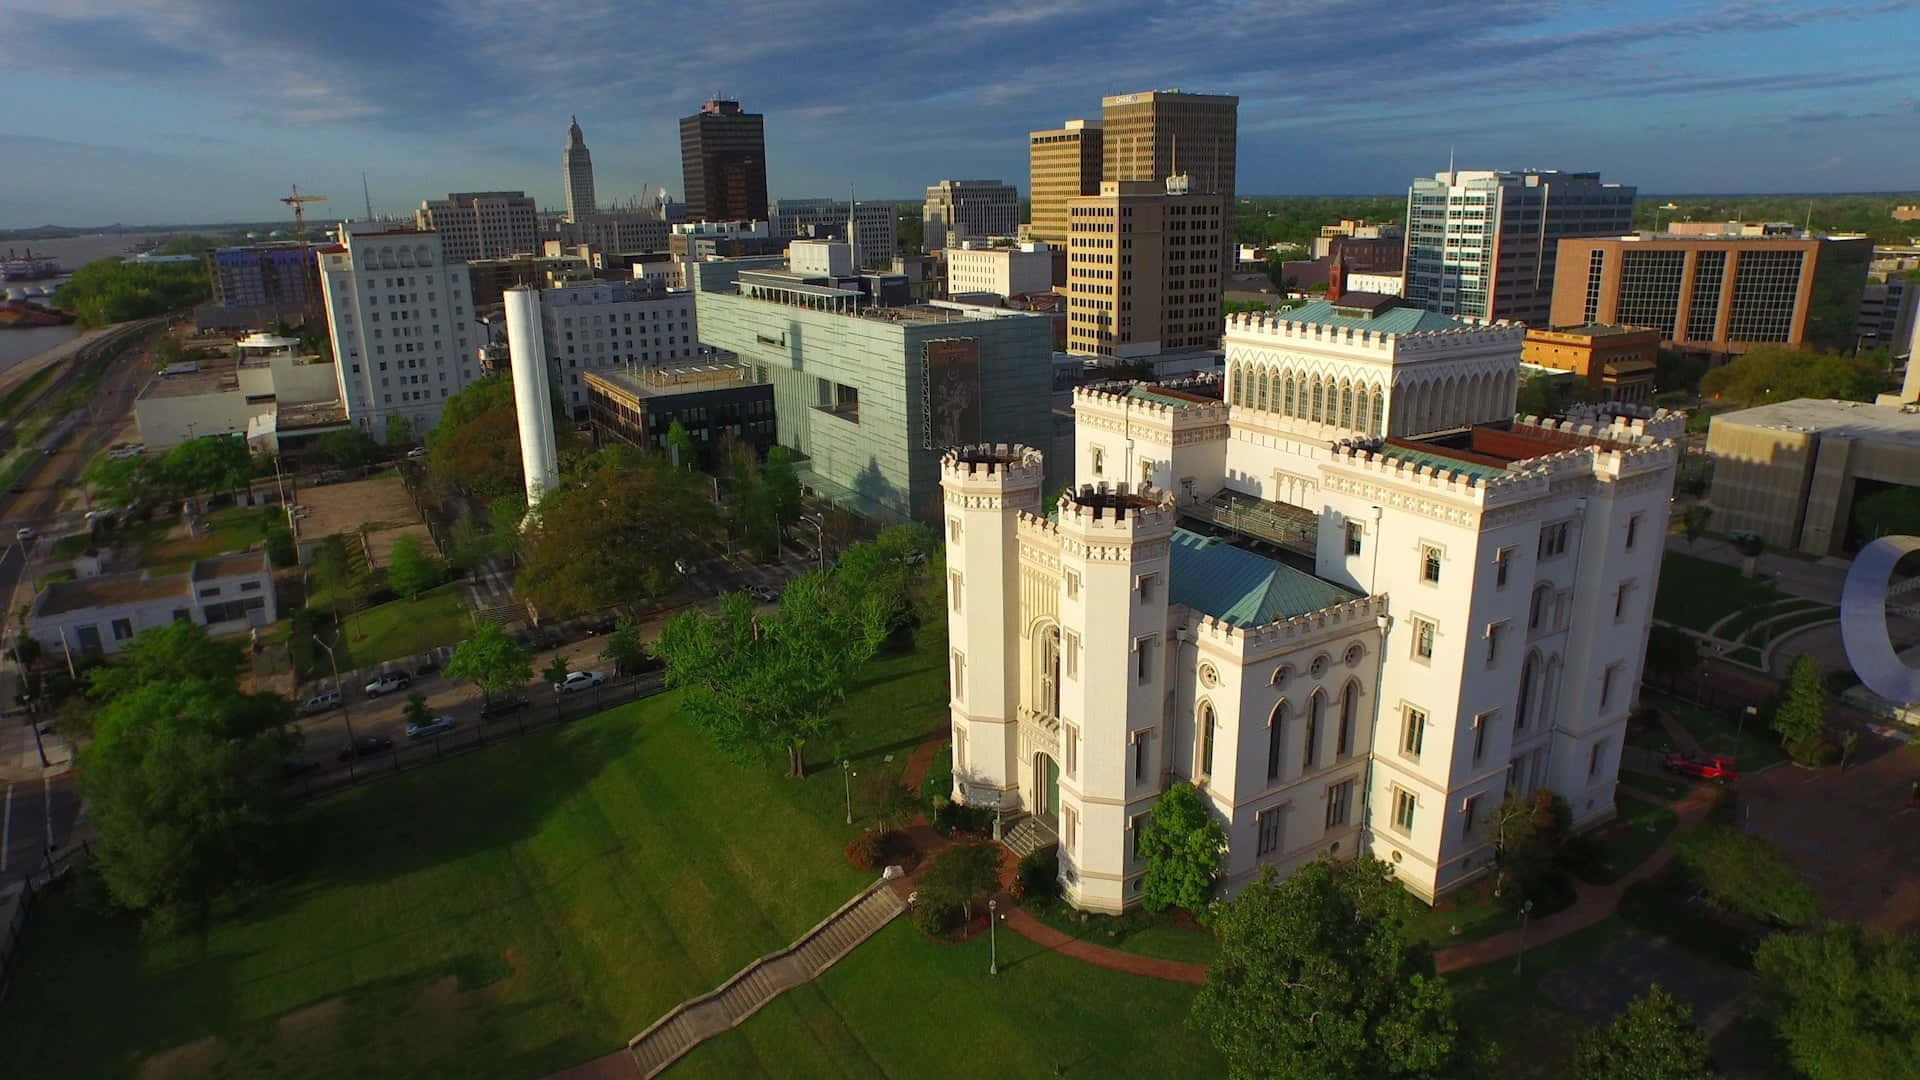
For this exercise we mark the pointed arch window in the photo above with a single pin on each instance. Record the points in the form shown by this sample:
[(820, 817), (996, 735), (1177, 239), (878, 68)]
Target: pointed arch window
[(1346, 406), (1311, 751), (1276, 733), (1205, 729), (1528, 670), (1379, 410), (1260, 386), (1349, 716), (1288, 409), (1316, 414), (1049, 697)]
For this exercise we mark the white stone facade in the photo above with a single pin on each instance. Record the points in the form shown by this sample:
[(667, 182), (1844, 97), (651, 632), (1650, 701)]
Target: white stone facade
[(1474, 619), (398, 312), (1003, 271), (614, 324)]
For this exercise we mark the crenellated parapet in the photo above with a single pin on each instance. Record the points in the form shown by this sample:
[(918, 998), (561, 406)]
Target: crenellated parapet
[(1275, 329), (1371, 458), (1252, 642), (987, 475), (1137, 411)]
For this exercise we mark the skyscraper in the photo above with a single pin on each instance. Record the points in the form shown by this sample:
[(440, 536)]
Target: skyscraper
[(578, 162), (1063, 163), (1167, 297), (1153, 135), (958, 210), (1482, 243), (723, 158)]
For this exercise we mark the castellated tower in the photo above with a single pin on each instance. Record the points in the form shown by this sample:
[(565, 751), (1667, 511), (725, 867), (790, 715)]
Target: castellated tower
[(1114, 550), (987, 490)]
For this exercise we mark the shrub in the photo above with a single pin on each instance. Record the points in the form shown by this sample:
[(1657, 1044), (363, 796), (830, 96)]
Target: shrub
[(953, 817), (1038, 878), (1182, 845), (936, 913), (867, 851), (966, 873)]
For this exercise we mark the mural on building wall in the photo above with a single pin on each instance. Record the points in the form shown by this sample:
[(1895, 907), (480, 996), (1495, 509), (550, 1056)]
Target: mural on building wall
[(951, 393)]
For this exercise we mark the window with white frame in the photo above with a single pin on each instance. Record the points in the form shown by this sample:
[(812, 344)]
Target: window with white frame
[(1413, 735), (1404, 804), (1072, 580), (1502, 562), (1204, 732), (1469, 812), (1148, 585), (1608, 679), (959, 749), (1423, 639), (1070, 644), (1270, 825), (1070, 829), (1430, 564), (1070, 743), (953, 588), (959, 675), (1339, 798), (1495, 631), (1143, 659)]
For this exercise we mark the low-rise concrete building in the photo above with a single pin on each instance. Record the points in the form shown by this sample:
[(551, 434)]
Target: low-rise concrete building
[(1618, 360), (974, 267), (266, 390), (98, 616), (1792, 471), (711, 400)]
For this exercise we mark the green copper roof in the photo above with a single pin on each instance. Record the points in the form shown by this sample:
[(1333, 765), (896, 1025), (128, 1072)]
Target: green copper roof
[(1240, 588), (1399, 320), (1472, 469)]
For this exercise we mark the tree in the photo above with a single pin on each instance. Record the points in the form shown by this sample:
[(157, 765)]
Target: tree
[(1694, 519), (624, 650), (349, 448), (1892, 511), (492, 661), (400, 431), (207, 464), (556, 670), (1801, 716), (782, 484), (1315, 979), (1844, 999), (113, 290), (119, 480), (1770, 373), (611, 533), (757, 682), (1671, 653), (1745, 873), (415, 711), (1528, 833), (1655, 1039), (469, 544), (480, 457), (1182, 846), (890, 570), (1551, 395), (963, 875), (410, 571), (182, 776), (504, 517), (680, 449)]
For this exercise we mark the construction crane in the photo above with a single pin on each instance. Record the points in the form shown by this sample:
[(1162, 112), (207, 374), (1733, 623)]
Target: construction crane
[(297, 201)]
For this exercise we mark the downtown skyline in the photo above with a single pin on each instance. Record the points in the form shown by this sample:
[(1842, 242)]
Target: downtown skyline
[(176, 110)]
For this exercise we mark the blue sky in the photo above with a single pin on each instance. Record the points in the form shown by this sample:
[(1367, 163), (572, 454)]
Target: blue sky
[(196, 110)]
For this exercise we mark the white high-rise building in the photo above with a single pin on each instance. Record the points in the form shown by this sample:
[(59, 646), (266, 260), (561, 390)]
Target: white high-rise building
[(577, 162), (482, 224), (398, 312), (958, 210), (1346, 593), (614, 324)]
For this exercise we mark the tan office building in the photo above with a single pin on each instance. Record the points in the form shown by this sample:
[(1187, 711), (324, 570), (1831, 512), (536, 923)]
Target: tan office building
[(1144, 270), (1158, 133), (1717, 294), (1618, 360), (1064, 163), (1792, 471)]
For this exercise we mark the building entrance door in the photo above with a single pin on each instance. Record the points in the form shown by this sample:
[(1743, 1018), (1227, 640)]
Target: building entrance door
[(1048, 773)]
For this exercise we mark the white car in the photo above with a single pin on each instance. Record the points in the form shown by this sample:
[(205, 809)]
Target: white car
[(387, 682), (417, 452), (24, 534), (579, 680)]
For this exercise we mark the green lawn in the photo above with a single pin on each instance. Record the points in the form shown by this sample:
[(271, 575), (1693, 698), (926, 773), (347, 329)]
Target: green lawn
[(1164, 936), (1611, 851), (234, 528), (1696, 593), (532, 906), (402, 628), (1473, 909), (1536, 1038)]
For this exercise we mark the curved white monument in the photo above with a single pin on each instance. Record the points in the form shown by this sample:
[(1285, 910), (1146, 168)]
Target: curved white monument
[(1863, 621)]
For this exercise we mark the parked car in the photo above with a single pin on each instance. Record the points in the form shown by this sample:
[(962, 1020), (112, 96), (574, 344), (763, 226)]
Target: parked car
[(1716, 767), (320, 702), (298, 766), (423, 728), (387, 682), (680, 567), (763, 593), (417, 452), (501, 706), (602, 626), (24, 534), (579, 680), (365, 746)]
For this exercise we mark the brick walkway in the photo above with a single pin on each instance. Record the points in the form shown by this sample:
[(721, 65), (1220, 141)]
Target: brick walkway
[(1022, 922)]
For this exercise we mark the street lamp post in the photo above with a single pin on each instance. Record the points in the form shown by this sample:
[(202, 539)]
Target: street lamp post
[(346, 712), (1525, 908), (847, 774), (993, 943), (820, 535)]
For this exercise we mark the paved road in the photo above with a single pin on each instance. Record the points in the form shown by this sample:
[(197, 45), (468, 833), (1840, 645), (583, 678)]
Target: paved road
[(36, 817)]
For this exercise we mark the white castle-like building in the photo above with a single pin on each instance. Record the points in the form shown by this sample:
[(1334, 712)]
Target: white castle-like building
[(1346, 592)]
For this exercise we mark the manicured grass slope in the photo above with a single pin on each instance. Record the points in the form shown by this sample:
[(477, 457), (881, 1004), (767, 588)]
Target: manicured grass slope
[(526, 908), (402, 628)]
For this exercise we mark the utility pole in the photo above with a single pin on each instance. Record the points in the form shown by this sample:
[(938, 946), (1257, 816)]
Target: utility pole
[(346, 713)]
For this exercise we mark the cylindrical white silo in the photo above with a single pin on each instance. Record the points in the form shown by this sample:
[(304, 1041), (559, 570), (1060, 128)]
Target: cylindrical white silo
[(527, 346)]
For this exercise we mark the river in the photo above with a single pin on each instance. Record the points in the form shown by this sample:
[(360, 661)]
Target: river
[(73, 253)]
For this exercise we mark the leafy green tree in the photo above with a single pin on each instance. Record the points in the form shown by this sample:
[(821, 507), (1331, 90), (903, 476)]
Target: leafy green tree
[(611, 533), (1182, 845), (1801, 716), (967, 873), (1746, 873), (208, 464), (469, 544), (1528, 831), (624, 649), (681, 451), (1552, 395), (1654, 1039), (1694, 519), (113, 290), (557, 670), (182, 776), (415, 711), (1845, 999), (1315, 980), (349, 448), (492, 661), (1771, 373), (117, 481), (410, 570), (279, 544), (400, 433), (782, 484), (504, 516), (757, 682), (890, 570)]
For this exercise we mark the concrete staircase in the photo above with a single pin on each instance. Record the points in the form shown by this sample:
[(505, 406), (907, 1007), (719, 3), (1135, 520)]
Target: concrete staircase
[(701, 1018), (1025, 834)]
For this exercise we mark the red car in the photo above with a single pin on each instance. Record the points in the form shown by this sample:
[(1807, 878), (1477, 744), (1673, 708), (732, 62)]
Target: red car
[(1705, 766)]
